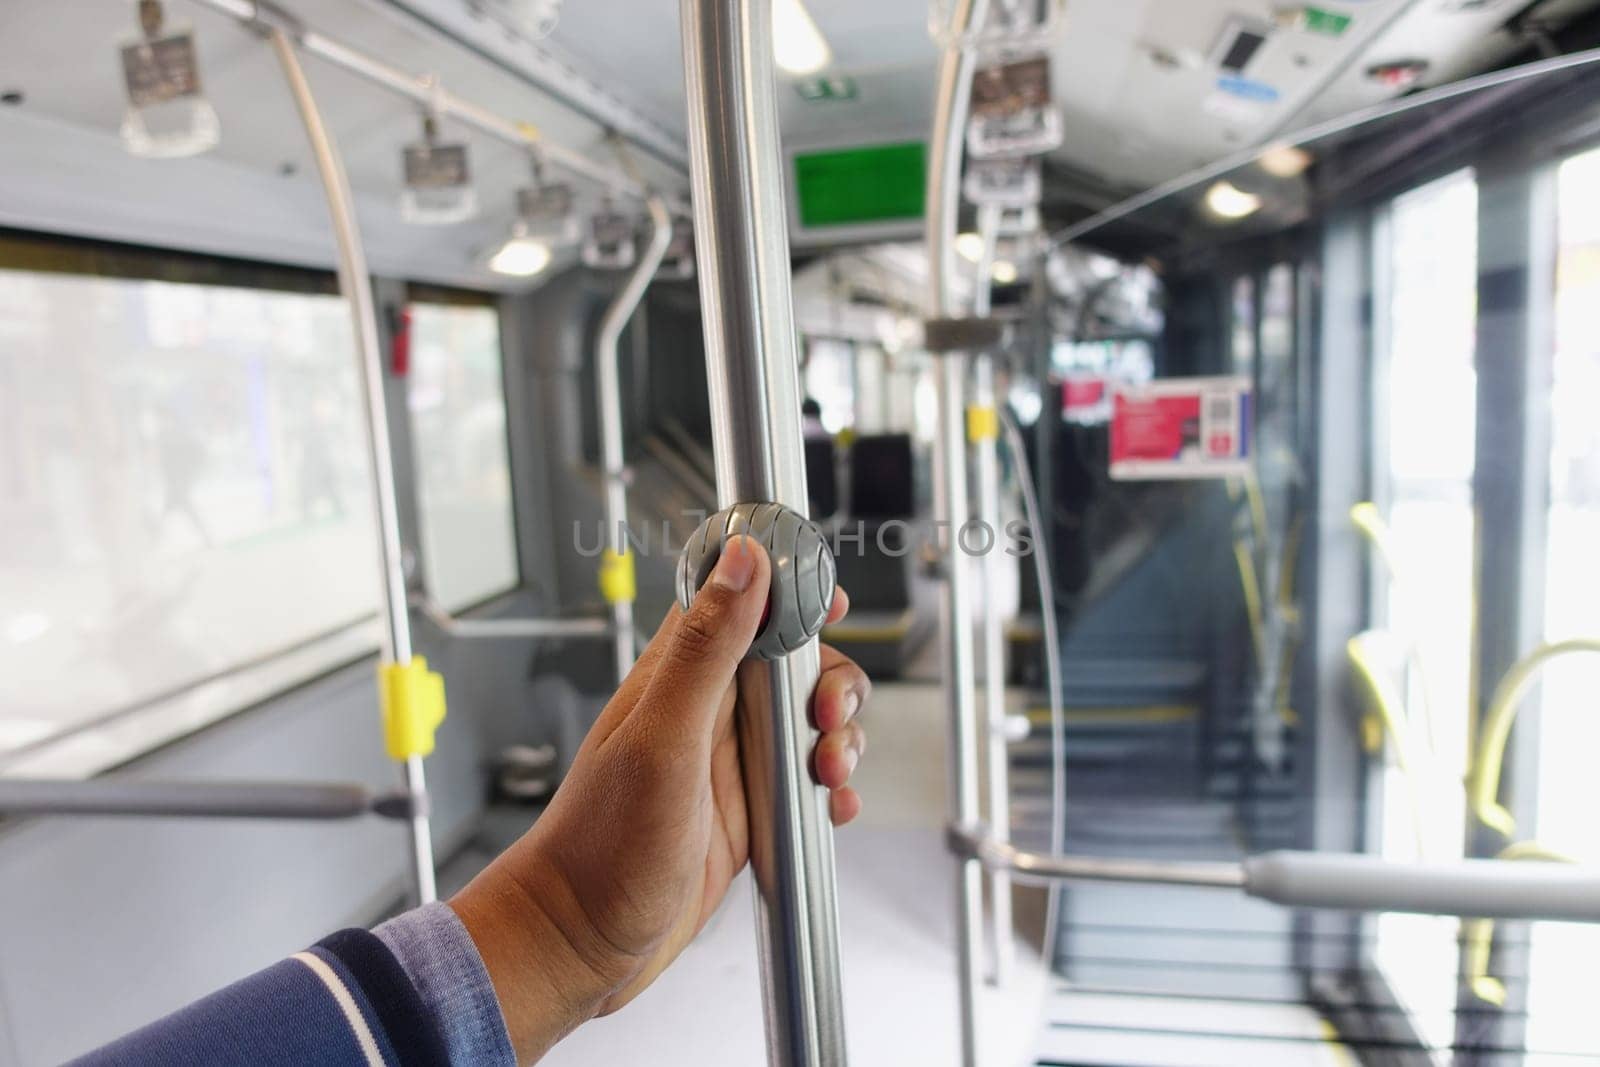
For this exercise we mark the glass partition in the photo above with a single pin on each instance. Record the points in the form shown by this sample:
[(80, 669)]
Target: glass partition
[(1562, 966), (1361, 576)]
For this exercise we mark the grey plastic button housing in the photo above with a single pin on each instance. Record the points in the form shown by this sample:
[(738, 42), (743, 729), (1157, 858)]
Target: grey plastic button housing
[(803, 574)]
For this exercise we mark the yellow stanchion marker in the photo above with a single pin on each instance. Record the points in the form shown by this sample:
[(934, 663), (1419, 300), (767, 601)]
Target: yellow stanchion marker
[(983, 424), (618, 582), (411, 700)]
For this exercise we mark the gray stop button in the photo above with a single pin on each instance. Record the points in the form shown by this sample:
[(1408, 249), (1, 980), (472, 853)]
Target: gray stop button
[(803, 576)]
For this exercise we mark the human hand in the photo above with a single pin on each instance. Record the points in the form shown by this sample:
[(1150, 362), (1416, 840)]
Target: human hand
[(639, 845)]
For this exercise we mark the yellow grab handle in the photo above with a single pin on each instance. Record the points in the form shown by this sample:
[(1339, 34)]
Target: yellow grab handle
[(1484, 782), (411, 700), (619, 583), (983, 424), (1251, 587), (1478, 934), (1366, 518)]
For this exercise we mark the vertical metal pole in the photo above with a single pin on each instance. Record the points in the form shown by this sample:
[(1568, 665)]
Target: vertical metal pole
[(610, 390), (356, 284), (986, 452), (741, 236), (953, 95)]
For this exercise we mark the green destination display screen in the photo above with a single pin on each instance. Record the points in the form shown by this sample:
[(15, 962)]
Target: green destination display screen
[(856, 186)]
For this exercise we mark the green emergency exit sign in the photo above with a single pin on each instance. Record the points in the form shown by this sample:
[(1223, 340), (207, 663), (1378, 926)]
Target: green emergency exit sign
[(861, 186), (1328, 23)]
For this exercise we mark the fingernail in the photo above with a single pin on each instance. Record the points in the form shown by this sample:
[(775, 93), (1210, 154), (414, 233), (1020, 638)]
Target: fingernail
[(852, 704), (851, 758), (737, 565)]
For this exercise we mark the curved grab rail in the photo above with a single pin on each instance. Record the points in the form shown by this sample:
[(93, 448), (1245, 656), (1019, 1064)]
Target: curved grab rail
[(1366, 517), (1369, 521), (1386, 718), (410, 716), (617, 582), (1484, 785)]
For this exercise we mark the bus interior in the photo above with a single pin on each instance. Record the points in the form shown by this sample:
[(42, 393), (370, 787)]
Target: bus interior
[(1197, 398)]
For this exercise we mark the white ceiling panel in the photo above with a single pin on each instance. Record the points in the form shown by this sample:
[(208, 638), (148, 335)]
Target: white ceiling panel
[(64, 58), (1131, 121)]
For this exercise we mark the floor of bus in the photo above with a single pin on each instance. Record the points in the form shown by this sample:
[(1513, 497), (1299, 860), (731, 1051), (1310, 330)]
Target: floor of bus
[(1153, 978)]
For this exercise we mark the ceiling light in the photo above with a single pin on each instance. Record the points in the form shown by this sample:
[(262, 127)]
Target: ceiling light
[(1005, 272), (24, 628), (969, 246), (1228, 201), (521, 257), (1285, 161), (798, 45)]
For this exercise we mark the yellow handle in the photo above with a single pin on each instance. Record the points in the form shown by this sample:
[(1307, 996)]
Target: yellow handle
[(1386, 718), (1369, 520), (1251, 586), (1484, 784), (411, 700), (619, 584), (1478, 934), (983, 424)]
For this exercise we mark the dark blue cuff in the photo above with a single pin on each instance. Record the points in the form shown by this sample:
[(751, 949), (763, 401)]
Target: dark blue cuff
[(448, 975)]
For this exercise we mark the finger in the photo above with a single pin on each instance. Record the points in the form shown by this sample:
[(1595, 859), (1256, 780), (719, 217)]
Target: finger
[(841, 692), (844, 805), (840, 606), (707, 643), (837, 755)]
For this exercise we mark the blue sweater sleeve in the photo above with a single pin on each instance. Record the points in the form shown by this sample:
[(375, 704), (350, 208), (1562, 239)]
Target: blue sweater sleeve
[(414, 992)]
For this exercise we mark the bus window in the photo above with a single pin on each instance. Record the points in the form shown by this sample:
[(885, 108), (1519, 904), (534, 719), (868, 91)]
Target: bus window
[(1242, 339), (1426, 421), (830, 380), (1561, 971), (186, 492), (456, 395)]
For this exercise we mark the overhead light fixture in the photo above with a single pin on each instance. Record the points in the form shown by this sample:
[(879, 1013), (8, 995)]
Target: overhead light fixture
[(521, 257), (1285, 161), (798, 46), (1005, 272), (969, 246), (1227, 201)]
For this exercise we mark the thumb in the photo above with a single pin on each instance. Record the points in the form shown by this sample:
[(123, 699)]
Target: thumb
[(708, 642)]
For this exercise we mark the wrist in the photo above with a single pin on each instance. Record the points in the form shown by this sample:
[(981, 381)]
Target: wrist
[(545, 985)]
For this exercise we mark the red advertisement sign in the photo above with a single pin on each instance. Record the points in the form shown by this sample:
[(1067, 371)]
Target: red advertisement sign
[(1181, 428)]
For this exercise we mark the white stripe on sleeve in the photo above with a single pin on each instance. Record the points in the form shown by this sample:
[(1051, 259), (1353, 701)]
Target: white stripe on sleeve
[(347, 1004)]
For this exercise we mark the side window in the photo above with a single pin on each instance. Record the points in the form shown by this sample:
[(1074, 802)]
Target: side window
[(1561, 1016), (1423, 463), (183, 493), (456, 391)]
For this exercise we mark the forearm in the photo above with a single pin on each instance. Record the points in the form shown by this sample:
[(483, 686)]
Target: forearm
[(412, 992), (546, 979)]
